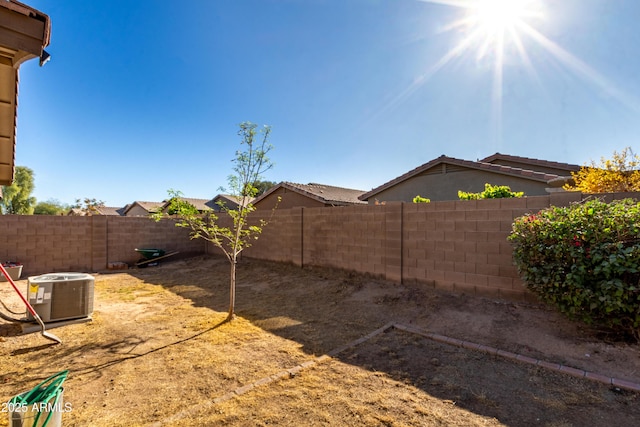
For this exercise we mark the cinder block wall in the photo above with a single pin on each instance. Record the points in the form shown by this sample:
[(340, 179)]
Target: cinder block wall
[(454, 245), (462, 245), (281, 238), (47, 244), (459, 246), (125, 234)]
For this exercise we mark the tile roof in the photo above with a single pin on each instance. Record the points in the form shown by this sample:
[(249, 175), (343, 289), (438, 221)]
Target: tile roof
[(479, 165), (531, 161), (227, 199), (76, 212), (199, 204), (327, 194), (113, 211), (148, 206)]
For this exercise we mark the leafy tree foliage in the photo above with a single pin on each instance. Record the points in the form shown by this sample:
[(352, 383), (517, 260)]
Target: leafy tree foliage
[(490, 192), (621, 173), (88, 206), (16, 198), (263, 186), (50, 207), (249, 165)]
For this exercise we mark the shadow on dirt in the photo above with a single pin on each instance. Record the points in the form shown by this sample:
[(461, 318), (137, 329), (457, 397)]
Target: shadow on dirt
[(334, 308)]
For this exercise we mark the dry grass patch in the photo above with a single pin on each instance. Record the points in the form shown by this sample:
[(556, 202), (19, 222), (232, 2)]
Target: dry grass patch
[(158, 346)]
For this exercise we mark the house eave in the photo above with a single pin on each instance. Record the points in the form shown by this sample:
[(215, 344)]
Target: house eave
[(24, 33)]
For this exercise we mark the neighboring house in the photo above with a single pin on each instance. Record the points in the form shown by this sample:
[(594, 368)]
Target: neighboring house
[(98, 210), (307, 195), (200, 204), (546, 166), (108, 210), (442, 178), (24, 33), (76, 212), (138, 208), (230, 202)]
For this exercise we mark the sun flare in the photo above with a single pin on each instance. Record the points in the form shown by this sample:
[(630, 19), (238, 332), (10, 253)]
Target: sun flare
[(503, 34), (495, 23), (499, 15)]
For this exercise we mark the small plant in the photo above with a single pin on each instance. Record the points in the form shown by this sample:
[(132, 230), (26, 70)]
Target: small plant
[(585, 260), (490, 192), (419, 199)]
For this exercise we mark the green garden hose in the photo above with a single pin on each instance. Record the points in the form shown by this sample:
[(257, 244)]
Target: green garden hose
[(49, 389)]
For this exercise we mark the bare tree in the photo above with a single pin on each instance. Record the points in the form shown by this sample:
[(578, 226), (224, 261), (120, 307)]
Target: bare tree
[(249, 165)]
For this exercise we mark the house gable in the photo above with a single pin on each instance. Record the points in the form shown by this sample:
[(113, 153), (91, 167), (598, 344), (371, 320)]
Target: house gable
[(111, 211), (442, 178), (307, 195), (229, 202), (142, 208)]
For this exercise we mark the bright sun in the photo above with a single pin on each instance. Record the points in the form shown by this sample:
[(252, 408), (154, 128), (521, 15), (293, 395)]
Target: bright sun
[(493, 23), (499, 15), (500, 32)]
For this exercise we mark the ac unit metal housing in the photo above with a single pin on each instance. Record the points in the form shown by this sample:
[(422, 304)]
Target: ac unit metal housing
[(61, 296)]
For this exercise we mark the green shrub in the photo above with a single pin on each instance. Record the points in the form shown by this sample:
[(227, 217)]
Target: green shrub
[(419, 199), (490, 192), (585, 260)]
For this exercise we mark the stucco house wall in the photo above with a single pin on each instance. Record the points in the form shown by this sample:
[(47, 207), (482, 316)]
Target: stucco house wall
[(137, 210), (290, 199), (444, 184)]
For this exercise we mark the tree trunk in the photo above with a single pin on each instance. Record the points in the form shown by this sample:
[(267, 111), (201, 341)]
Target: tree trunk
[(232, 290)]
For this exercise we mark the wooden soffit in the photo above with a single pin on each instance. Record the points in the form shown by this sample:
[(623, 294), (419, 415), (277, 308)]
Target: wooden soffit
[(24, 33)]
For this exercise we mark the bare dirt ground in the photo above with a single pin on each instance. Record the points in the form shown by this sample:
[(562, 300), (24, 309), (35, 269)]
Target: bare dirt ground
[(157, 352)]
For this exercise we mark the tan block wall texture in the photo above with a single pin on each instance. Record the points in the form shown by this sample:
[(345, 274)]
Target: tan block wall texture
[(48, 244), (459, 246)]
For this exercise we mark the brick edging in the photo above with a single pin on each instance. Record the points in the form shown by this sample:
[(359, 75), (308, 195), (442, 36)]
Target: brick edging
[(617, 382), (292, 372)]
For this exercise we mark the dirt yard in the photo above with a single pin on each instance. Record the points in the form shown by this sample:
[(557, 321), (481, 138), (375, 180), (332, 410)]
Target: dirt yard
[(157, 352)]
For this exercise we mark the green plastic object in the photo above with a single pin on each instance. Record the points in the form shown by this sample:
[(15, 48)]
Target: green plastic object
[(151, 253), (40, 406)]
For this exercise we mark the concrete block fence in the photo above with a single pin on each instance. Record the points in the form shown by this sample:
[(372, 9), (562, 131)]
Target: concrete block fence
[(459, 246), (48, 244)]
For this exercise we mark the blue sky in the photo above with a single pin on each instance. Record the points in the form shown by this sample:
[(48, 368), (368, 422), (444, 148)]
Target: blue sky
[(144, 96)]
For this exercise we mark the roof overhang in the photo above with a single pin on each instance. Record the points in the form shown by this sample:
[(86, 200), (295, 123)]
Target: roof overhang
[(24, 33)]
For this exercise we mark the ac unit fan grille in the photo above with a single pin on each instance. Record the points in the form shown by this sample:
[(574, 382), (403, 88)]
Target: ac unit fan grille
[(71, 299)]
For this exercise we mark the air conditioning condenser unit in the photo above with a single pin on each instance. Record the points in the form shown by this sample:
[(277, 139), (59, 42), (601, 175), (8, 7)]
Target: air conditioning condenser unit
[(61, 296)]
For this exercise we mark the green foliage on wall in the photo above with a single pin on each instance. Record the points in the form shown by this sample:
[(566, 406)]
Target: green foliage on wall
[(419, 199), (490, 192)]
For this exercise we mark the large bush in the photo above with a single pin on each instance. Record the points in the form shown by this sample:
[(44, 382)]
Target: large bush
[(621, 173), (585, 260)]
